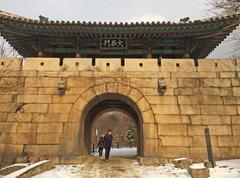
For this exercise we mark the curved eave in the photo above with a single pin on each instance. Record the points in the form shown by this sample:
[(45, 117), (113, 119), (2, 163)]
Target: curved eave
[(207, 34)]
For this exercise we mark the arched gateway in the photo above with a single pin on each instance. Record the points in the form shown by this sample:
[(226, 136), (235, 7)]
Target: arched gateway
[(73, 71), (102, 98)]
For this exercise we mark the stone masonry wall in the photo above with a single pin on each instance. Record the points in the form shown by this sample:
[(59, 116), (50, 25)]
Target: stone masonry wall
[(35, 120)]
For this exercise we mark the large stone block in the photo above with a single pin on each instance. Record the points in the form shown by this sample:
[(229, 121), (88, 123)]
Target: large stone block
[(19, 117), (8, 127), (218, 91), (199, 153), (48, 138), (59, 108), (10, 149), (8, 107), (42, 82), (20, 138), (71, 130), (162, 99), (6, 98), (217, 82), (31, 91), (218, 110), (236, 91), (228, 141), (236, 129), (112, 87), (175, 151), (77, 64), (80, 104), (52, 117), (3, 117), (172, 119), (35, 108), (88, 95), (199, 141), (47, 91), (49, 128), (9, 64), (183, 91), (165, 109), (34, 99), (108, 65), (196, 130), (171, 129), (176, 141), (26, 128), (214, 130), (124, 89), (190, 109), (228, 152), (151, 147), (210, 120), (227, 75), (143, 104), (148, 117), (177, 65), (80, 82), (150, 131), (42, 150), (41, 64), (74, 116), (191, 83), (236, 120), (135, 95), (141, 65), (65, 98), (216, 65), (74, 90), (143, 82)]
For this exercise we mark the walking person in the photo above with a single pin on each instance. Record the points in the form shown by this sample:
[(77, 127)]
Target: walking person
[(107, 142), (100, 146)]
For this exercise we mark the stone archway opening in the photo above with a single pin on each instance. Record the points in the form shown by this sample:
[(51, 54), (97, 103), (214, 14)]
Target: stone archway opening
[(125, 132), (110, 102)]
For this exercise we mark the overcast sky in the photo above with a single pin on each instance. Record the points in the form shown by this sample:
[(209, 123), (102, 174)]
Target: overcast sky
[(113, 10)]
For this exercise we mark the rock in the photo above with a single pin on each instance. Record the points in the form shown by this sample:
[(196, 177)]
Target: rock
[(148, 161), (208, 164), (182, 163), (200, 172), (34, 159), (22, 159)]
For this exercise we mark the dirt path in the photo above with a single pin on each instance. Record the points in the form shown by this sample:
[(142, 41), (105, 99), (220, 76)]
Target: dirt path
[(115, 167)]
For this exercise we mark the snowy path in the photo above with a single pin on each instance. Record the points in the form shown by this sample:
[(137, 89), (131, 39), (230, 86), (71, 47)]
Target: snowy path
[(124, 166), (95, 167)]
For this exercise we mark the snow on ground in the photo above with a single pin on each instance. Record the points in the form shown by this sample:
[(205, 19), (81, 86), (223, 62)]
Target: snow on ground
[(62, 171), (168, 171), (124, 167), (226, 169), (124, 152)]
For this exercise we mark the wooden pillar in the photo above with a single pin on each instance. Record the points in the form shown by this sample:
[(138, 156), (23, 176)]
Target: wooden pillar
[(78, 55), (149, 54), (40, 52)]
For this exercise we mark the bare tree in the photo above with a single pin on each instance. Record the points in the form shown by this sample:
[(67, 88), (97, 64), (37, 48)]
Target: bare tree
[(224, 7), (6, 50), (228, 7)]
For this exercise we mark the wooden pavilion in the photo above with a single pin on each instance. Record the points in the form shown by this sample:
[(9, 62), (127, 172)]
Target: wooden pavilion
[(194, 39)]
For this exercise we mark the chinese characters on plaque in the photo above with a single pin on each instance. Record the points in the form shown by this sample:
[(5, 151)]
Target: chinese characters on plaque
[(113, 43)]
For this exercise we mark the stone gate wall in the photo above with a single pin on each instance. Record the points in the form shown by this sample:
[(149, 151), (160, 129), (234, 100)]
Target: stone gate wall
[(35, 120)]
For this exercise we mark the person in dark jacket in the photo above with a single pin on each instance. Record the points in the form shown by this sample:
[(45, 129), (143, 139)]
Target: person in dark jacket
[(107, 142), (100, 146)]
